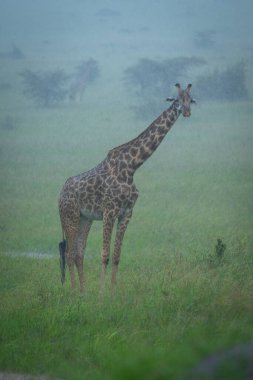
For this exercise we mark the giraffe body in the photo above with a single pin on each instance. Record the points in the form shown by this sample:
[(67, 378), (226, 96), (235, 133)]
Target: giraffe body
[(97, 194), (107, 192), (93, 191)]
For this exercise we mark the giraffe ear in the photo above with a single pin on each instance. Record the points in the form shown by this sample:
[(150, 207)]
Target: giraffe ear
[(179, 88), (170, 99)]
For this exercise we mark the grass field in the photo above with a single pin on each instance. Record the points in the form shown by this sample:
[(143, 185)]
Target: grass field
[(176, 303)]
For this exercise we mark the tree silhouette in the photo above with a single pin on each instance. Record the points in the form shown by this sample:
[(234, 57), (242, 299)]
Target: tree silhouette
[(45, 88)]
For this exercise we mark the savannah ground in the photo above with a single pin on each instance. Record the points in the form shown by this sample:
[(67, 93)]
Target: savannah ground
[(176, 302)]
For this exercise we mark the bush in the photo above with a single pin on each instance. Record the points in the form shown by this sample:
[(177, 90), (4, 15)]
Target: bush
[(45, 88), (228, 84)]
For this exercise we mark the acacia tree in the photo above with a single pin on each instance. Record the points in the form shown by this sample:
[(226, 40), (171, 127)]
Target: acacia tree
[(150, 80), (45, 88), (149, 76), (228, 84)]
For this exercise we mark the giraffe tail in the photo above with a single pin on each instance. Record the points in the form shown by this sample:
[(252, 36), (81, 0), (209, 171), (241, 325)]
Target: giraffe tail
[(62, 249)]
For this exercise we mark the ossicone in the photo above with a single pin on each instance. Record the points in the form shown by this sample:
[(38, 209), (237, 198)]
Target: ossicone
[(188, 87)]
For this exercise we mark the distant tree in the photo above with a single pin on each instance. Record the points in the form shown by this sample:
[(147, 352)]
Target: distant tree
[(45, 88), (151, 79), (85, 74), (149, 75), (228, 84)]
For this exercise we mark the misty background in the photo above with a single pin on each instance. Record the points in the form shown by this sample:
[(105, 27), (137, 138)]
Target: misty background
[(117, 34)]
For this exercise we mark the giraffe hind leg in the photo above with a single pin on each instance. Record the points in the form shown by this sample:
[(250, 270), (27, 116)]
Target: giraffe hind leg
[(108, 222), (81, 240), (71, 236), (70, 221)]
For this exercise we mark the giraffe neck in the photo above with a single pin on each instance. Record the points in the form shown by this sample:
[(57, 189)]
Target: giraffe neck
[(134, 153)]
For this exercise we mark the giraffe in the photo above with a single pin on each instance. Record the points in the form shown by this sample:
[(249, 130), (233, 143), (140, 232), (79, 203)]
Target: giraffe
[(108, 193)]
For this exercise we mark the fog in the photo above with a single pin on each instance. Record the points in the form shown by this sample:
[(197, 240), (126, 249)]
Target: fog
[(125, 29), (117, 34)]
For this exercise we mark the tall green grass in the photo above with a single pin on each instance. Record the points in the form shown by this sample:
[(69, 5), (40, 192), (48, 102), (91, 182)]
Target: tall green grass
[(168, 313), (175, 303)]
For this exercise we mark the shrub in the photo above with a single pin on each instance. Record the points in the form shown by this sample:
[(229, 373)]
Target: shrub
[(217, 259), (220, 248)]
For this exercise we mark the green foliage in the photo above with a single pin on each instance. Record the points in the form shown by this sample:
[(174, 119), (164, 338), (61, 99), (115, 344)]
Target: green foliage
[(227, 84), (45, 88)]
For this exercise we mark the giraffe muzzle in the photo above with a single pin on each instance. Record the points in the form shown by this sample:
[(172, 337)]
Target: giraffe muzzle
[(186, 113)]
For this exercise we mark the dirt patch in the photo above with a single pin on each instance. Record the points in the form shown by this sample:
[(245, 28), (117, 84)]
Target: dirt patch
[(18, 376), (31, 255)]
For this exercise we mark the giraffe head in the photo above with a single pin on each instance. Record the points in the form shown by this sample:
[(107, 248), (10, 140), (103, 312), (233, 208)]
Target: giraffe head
[(183, 100)]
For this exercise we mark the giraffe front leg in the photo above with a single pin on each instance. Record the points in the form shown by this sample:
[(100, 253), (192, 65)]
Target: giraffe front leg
[(108, 222), (121, 229)]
